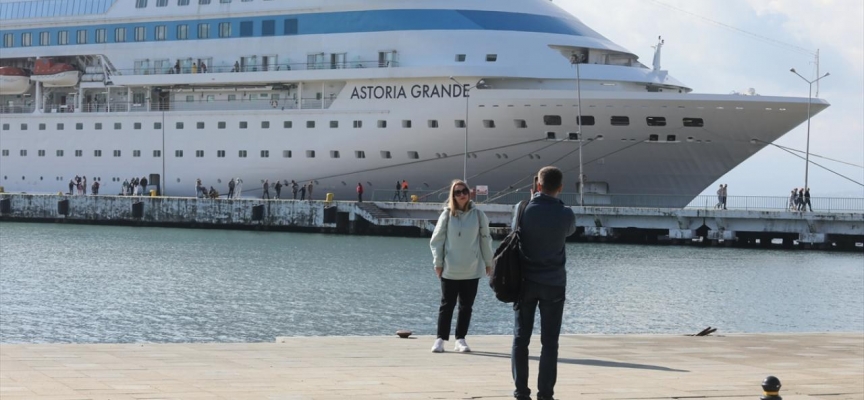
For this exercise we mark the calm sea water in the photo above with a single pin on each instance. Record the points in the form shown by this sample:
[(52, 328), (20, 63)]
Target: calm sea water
[(69, 283)]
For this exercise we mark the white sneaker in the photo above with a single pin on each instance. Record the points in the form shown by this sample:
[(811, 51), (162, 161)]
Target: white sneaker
[(438, 347), (462, 347)]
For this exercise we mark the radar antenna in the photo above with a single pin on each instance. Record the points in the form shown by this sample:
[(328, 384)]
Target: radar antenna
[(657, 49)]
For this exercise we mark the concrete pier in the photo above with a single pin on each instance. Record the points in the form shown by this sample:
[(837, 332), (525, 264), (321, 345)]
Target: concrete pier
[(632, 225), (810, 366)]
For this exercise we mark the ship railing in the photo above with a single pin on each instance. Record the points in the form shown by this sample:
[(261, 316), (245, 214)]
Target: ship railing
[(17, 109), (227, 68), (199, 104), (704, 202)]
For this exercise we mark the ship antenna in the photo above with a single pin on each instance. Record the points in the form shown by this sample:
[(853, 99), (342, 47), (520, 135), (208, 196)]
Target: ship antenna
[(657, 48)]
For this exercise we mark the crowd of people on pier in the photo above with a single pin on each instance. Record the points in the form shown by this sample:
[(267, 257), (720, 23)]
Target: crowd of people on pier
[(799, 200)]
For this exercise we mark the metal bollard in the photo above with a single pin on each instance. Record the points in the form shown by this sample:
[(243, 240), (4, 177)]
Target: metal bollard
[(771, 387)]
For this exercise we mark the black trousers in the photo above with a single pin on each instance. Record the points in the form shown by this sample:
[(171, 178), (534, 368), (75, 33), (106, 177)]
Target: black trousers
[(550, 301), (452, 290)]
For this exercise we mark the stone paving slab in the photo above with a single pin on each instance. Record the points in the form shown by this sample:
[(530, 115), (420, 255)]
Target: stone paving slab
[(811, 366)]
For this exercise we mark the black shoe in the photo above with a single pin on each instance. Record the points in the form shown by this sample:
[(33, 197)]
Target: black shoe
[(544, 398), (523, 398)]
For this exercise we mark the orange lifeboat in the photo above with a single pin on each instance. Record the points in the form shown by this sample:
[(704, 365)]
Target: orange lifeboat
[(14, 80), (53, 74)]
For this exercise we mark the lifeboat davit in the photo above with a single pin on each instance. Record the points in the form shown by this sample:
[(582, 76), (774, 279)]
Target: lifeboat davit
[(14, 80), (53, 74)]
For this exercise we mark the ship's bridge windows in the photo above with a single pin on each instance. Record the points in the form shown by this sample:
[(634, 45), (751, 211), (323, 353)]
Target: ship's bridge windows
[(97, 153), (552, 120), (203, 31), (26, 39), (290, 26), (433, 123), (225, 29), (244, 124), (220, 153), (81, 36), (60, 126), (386, 154), (41, 127), (136, 153), (119, 35), (200, 125), (287, 124), (694, 122), (585, 120), (406, 123), (246, 28), (157, 125), (620, 121), (491, 57), (656, 121), (41, 153), (334, 124), (44, 38), (140, 3), (182, 32), (118, 126), (268, 27), (178, 125), (8, 40), (460, 123), (382, 123), (265, 124), (310, 124), (101, 35), (520, 123), (489, 123), (460, 58), (63, 37), (182, 2), (157, 153), (161, 3)]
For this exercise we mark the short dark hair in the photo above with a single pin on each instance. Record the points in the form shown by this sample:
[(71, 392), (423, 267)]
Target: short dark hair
[(550, 178)]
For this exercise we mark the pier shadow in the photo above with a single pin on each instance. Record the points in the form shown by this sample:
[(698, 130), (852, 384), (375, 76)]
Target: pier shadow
[(586, 362)]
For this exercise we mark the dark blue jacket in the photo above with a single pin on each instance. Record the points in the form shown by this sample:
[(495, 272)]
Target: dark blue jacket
[(545, 225)]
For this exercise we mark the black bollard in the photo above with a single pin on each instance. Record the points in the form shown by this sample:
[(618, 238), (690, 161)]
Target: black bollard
[(771, 387)]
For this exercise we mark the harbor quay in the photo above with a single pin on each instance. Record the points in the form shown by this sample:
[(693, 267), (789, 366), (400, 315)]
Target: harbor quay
[(837, 230), (827, 366)]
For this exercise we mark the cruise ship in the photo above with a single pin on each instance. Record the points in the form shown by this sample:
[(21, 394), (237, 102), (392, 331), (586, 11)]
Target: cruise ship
[(341, 92)]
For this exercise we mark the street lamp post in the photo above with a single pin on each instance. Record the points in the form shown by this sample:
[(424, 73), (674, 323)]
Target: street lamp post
[(577, 59), (809, 102), (465, 161)]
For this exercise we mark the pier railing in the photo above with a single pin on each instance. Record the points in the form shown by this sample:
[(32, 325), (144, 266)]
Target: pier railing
[(708, 202)]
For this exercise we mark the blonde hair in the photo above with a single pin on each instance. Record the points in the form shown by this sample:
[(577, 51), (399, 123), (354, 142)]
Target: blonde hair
[(451, 202)]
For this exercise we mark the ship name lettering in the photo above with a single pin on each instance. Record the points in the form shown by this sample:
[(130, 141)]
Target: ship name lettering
[(416, 92)]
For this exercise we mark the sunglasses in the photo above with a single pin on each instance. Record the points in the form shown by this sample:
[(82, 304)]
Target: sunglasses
[(463, 192)]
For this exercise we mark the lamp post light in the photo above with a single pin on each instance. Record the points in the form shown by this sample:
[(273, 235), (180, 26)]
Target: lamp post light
[(466, 90), (809, 102)]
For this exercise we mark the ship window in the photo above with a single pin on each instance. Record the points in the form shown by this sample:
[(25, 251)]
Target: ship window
[(265, 124), (413, 155), (63, 37), (182, 32), (268, 27), (358, 123), (41, 127), (79, 153), (241, 154), (489, 123), (136, 125), (161, 3), (433, 123), (310, 124), (620, 121), (59, 153), (179, 125), (225, 29), (23, 153), (245, 28), (244, 124), (290, 27), (224, 1), (82, 36), (382, 123), (182, 2), (520, 123), (157, 153), (360, 154), (200, 125), (221, 124), (286, 153), (694, 122), (287, 124), (23, 127), (140, 33), (60, 127), (161, 32), (199, 153), (26, 39), (190, 98), (585, 120), (460, 58), (140, 3), (220, 153), (406, 123), (671, 138), (204, 2), (491, 57), (44, 38), (334, 153), (5, 152), (8, 40), (310, 153), (334, 124), (653, 138), (157, 125), (656, 121), (118, 126), (550, 135), (97, 153), (136, 153), (460, 123), (116, 153), (101, 36), (203, 31), (553, 120), (573, 136), (79, 126), (41, 153), (178, 153), (5, 127), (119, 35), (386, 154)]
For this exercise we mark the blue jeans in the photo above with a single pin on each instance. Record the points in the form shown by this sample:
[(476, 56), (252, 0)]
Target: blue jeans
[(550, 300)]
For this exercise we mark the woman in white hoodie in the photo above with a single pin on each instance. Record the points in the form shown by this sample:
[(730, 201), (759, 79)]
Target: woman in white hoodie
[(462, 253)]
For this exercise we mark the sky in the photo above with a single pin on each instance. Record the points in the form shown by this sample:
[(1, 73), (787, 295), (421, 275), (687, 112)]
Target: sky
[(711, 58)]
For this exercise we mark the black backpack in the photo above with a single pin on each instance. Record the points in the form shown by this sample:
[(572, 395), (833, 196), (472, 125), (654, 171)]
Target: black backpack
[(506, 279)]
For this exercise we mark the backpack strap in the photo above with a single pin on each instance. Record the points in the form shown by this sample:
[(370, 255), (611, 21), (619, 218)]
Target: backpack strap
[(522, 206)]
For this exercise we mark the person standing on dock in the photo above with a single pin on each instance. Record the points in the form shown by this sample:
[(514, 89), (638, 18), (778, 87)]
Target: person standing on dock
[(792, 198), (462, 254), (231, 185), (800, 200), (84, 185), (266, 194), (545, 225), (303, 192), (807, 200), (239, 188), (278, 188), (719, 198), (309, 189), (398, 193), (125, 187), (404, 190), (294, 188), (71, 186), (725, 194), (143, 183), (359, 192)]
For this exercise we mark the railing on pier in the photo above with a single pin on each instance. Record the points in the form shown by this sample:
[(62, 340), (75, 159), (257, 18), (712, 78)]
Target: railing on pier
[(707, 202), (165, 69)]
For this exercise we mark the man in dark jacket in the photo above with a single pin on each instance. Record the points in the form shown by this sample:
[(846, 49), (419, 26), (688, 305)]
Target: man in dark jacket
[(546, 223)]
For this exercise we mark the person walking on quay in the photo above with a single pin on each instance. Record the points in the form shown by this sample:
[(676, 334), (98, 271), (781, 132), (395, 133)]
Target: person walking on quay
[(807, 200), (303, 192), (231, 184), (143, 183), (792, 198), (239, 192), (278, 188), (294, 188), (800, 199), (398, 193), (404, 190), (725, 193), (266, 194), (309, 190), (359, 192), (462, 253), (719, 198), (545, 224)]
